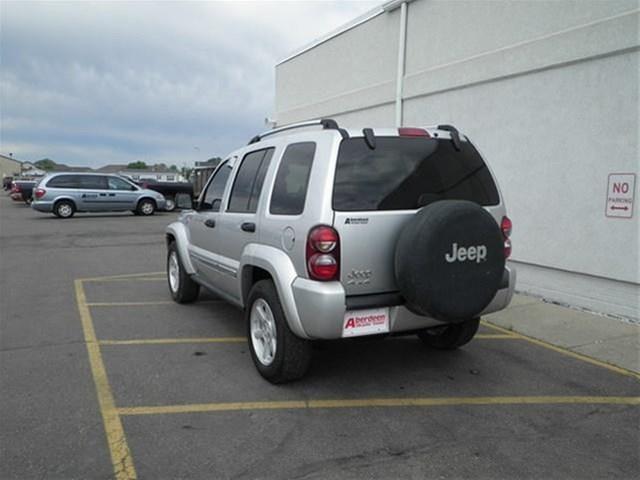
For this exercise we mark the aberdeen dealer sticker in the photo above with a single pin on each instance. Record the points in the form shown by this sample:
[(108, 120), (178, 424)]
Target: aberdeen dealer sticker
[(365, 322)]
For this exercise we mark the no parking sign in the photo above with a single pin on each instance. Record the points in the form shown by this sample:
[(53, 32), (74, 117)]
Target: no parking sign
[(620, 194)]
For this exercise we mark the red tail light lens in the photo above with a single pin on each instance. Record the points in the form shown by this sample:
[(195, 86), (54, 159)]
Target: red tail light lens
[(323, 239), (323, 254), (506, 227), (16, 189), (39, 192), (413, 132)]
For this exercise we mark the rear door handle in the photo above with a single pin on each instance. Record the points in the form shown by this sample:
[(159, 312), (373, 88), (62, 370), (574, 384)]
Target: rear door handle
[(103, 194), (210, 222), (248, 227)]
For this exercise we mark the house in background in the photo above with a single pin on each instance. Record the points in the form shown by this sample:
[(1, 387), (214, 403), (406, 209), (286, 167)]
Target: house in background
[(9, 166), (159, 173)]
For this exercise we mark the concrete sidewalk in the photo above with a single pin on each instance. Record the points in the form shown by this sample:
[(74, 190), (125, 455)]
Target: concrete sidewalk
[(607, 339)]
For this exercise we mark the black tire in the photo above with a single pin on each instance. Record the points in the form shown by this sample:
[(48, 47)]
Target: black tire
[(450, 337), (186, 290), (170, 204), (449, 260), (292, 354), (64, 209), (146, 207)]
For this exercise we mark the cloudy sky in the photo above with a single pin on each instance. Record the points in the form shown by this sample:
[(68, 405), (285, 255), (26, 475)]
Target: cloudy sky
[(113, 82)]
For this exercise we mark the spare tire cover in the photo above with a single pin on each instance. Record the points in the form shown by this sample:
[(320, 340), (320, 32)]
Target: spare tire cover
[(449, 260)]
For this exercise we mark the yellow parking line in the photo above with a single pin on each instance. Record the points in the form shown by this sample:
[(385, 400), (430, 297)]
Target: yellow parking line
[(134, 279), (497, 336), (378, 402), (129, 304), (120, 454), (171, 341), (142, 304), (125, 276), (565, 351)]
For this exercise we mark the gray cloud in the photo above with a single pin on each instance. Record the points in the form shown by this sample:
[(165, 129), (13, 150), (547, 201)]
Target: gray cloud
[(113, 82)]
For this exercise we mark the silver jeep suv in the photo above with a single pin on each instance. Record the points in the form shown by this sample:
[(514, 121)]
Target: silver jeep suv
[(319, 232)]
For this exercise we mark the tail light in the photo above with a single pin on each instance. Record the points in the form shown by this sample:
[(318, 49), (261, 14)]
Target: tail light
[(413, 132), (39, 192), (506, 227), (323, 254), (16, 188)]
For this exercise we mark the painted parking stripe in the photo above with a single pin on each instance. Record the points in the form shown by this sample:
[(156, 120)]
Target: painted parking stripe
[(143, 304), (173, 341), (378, 402), (116, 440), (124, 276), (565, 351), (134, 279)]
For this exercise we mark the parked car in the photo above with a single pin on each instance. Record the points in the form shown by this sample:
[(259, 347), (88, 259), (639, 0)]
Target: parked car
[(175, 193), (22, 190), (6, 183), (63, 194), (324, 233)]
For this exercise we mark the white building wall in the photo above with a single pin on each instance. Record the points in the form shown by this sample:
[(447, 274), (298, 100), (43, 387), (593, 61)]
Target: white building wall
[(549, 93)]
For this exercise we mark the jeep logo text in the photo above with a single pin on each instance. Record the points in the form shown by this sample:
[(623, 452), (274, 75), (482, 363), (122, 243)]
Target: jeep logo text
[(461, 254)]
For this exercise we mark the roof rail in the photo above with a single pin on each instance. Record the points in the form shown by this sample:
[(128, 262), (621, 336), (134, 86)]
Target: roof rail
[(326, 123)]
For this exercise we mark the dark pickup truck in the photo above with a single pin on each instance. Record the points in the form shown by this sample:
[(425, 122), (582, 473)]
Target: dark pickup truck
[(177, 194), (22, 190)]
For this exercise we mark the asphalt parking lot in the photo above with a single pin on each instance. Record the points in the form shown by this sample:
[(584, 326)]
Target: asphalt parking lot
[(91, 343)]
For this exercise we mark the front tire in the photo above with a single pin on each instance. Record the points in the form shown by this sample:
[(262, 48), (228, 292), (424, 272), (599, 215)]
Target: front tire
[(182, 288), (450, 337), (146, 207), (64, 209), (278, 354)]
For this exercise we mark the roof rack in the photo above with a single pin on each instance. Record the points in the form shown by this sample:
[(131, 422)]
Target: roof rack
[(326, 123)]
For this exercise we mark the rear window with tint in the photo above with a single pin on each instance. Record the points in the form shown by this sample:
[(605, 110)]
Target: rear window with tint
[(408, 173)]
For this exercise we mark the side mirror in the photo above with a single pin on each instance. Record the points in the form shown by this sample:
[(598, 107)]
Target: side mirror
[(215, 206), (185, 202)]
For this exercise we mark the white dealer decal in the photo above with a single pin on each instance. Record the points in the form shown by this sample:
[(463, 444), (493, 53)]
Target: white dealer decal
[(365, 322), (461, 254)]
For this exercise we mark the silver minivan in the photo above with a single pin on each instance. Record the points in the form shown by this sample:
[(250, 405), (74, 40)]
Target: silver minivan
[(63, 194)]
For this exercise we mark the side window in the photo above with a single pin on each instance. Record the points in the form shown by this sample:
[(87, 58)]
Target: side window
[(248, 184), (93, 182), (64, 181), (213, 196), (292, 179), (116, 183)]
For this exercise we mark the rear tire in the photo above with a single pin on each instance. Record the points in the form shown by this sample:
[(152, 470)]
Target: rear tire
[(450, 337), (146, 207), (278, 354), (182, 288), (64, 209), (170, 205)]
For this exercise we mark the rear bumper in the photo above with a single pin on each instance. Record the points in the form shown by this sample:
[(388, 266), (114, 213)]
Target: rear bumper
[(42, 206), (321, 307)]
